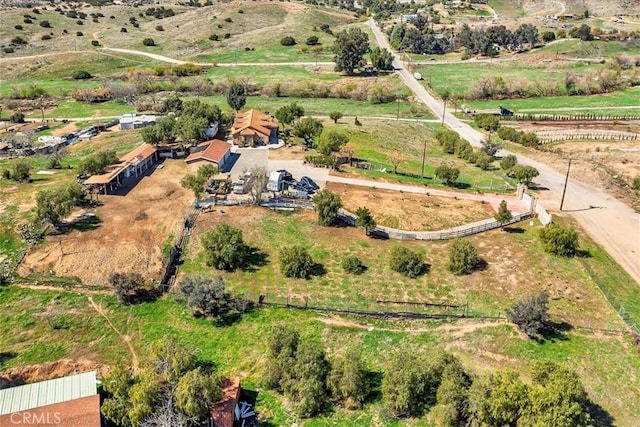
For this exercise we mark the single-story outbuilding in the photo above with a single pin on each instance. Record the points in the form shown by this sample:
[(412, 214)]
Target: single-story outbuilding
[(253, 128), (70, 401), (133, 121), (132, 164), (214, 152)]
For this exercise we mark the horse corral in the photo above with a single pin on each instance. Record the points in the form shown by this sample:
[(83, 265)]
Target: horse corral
[(128, 237)]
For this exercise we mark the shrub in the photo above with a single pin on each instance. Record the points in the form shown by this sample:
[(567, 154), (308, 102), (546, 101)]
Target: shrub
[(335, 116), (295, 262), (19, 27), (8, 49), (79, 34), (559, 240), (95, 43), (287, 41), (159, 28), (548, 36), (45, 24), (126, 286), (530, 314), (27, 21), (352, 264), (20, 171), (17, 118), (214, 37), (224, 248), (312, 41), (447, 174), (227, 35), (326, 204), (406, 262), (45, 37), (123, 30), (80, 22), (18, 41), (636, 183), (508, 162), (228, 20), (148, 42), (463, 257), (81, 75)]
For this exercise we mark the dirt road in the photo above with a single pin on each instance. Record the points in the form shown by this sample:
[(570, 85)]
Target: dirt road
[(608, 221)]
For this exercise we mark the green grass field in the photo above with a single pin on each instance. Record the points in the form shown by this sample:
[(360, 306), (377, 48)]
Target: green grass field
[(627, 98), (458, 78), (507, 8), (375, 141)]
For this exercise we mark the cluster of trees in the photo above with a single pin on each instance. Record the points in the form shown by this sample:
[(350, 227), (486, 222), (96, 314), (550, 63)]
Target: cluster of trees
[(225, 248), (301, 371), (528, 139), (171, 387), (189, 121), (451, 143), (96, 163), (420, 37), (207, 297), (415, 383), (20, 171), (350, 47)]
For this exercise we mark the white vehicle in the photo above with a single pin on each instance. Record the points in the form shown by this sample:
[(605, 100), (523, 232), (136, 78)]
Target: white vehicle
[(418, 76), (276, 181)]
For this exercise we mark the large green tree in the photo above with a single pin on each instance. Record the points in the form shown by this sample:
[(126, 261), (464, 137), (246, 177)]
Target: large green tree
[(348, 379), (331, 141), (364, 219), (349, 48), (196, 392), (559, 240), (197, 182), (53, 204), (289, 113), (162, 131), (96, 163), (327, 204), (307, 128), (497, 399), (463, 257), (381, 58), (296, 262), (224, 247), (236, 96)]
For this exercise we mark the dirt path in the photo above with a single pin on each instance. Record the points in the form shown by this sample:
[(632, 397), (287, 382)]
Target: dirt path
[(125, 338), (58, 289), (457, 329)]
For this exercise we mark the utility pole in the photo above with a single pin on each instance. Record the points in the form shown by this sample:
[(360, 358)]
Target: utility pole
[(566, 180), (398, 105), (424, 154)]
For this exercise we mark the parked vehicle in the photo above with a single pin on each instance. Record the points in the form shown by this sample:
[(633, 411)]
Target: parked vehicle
[(417, 76), (277, 181)]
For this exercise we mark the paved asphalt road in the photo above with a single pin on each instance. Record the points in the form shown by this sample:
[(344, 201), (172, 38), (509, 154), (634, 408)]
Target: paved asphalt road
[(608, 221)]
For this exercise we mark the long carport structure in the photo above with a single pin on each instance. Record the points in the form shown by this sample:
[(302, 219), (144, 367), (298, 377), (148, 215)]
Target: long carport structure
[(132, 164)]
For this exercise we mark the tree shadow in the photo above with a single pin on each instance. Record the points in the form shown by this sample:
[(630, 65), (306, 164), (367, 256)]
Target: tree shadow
[(583, 253), (86, 222), (514, 230), (460, 185), (255, 259), (142, 295), (5, 356), (599, 415), (374, 379), (553, 332), (481, 265), (317, 270)]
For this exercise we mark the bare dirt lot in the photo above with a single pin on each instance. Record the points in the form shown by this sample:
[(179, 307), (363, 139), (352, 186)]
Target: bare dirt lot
[(608, 164), (413, 212), (129, 236)]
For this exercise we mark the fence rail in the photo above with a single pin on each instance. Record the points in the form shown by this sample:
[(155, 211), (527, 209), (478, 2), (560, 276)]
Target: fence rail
[(180, 242), (529, 117), (462, 231)]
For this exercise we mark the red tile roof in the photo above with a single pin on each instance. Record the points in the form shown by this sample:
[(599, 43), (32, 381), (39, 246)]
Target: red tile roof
[(222, 411), (213, 153), (253, 121)]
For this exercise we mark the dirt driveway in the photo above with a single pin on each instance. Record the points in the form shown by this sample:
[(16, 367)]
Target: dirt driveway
[(129, 236)]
